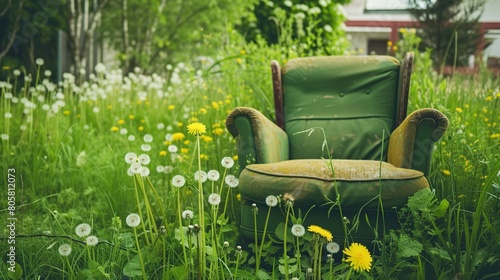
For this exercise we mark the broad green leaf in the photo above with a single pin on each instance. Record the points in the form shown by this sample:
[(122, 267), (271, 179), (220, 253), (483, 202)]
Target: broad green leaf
[(408, 247), (15, 272), (440, 211)]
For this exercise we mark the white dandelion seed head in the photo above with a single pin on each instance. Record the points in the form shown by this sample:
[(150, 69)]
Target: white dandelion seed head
[(130, 172), (91, 240), (227, 162), (232, 181), (123, 131), (201, 175), (95, 110), (146, 147), (298, 230), (135, 168), (213, 175), (130, 158), (144, 159), (178, 181), (47, 73), (4, 137), (160, 168), (271, 201), (131, 138), (144, 171), (8, 115), (16, 72), (187, 214), (332, 247), (100, 68), (168, 169), (39, 61), (226, 244), (133, 220), (214, 199), (148, 138), (83, 230), (64, 250), (160, 126), (173, 148), (169, 136)]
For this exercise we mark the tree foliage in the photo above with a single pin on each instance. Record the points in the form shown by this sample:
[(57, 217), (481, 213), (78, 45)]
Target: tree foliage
[(318, 24), (449, 27), (152, 33)]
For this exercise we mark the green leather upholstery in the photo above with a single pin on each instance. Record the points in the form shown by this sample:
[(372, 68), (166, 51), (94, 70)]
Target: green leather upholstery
[(352, 98), (354, 106)]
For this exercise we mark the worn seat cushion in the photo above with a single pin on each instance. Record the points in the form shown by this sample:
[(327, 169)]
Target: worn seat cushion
[(312, 182)]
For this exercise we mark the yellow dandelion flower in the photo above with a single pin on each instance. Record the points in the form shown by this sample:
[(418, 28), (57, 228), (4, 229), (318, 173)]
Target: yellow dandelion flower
[(321, 232), (242, 52), (459, 110), (178, 136), (196, 128), (180, 124), (143, 121), (466, 106), (394, 48), (358, 256), (215, 105), (389, 43), (239, 60), (489, 98), (141, 128), (66, 112), (203, 156), (138, 102), (184, 151), (131, 117), (446, 172), (235, 157), (171, 107), (485, 110), (109, 107), (187, 142), (208, 139), (495, 136), (203, 110), (121, 121), (115, 128), (238, 197), (498, 95), (163, 153), (218, 131)]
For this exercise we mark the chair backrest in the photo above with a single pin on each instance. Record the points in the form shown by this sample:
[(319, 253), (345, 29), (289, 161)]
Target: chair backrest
[(353, 99)]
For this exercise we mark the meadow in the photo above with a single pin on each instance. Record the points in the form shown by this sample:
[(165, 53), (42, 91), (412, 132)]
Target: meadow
[(134, 176)]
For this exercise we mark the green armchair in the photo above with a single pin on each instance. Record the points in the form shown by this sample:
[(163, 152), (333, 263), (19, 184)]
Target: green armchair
[(341, 134)]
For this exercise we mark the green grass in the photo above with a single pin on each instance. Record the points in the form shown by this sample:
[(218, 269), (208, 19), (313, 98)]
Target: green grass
[(70, 169)]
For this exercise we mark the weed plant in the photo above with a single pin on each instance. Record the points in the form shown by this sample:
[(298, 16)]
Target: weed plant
[(132, 175)]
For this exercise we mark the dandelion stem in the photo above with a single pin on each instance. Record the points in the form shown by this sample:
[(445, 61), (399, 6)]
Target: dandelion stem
[(140, 211), (181, 229), (140, 255), (285, 255)]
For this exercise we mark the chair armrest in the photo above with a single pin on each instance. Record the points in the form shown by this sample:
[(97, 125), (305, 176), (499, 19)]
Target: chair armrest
[(259, 140), (412, 142)]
